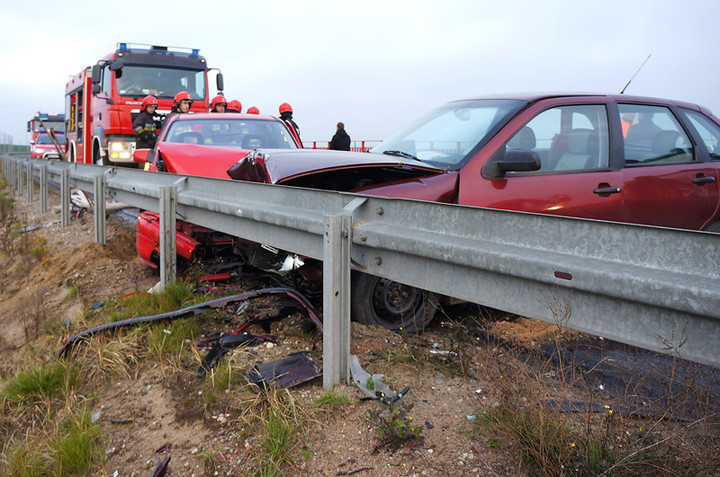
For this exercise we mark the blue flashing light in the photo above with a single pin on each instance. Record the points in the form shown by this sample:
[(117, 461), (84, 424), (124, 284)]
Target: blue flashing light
[(123, 46), (195, 51)]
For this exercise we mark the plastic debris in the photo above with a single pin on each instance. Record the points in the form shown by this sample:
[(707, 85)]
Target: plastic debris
[(288, 372), (373, 386)]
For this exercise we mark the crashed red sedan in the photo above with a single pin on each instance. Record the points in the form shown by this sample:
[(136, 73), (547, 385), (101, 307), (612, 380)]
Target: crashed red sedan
[(618, 158)]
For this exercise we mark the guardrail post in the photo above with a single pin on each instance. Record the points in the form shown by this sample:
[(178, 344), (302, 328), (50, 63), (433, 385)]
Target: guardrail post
[(65, 197), (30, 182), (100, 230), (168, 245), (44, 188), (336, 300), (18, 179)]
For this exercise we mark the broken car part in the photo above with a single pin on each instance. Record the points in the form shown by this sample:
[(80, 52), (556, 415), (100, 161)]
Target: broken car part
[(285, 373), (193, 311), (373, 386)]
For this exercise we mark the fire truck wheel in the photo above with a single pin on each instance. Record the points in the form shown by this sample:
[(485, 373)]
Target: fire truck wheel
[(97, 157), (392, 305)]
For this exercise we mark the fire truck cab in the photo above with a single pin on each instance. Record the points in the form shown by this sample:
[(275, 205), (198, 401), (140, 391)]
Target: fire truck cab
[(102, 100)]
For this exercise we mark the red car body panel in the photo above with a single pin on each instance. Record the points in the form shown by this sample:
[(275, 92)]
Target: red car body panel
[(194, 160), (681, 194)]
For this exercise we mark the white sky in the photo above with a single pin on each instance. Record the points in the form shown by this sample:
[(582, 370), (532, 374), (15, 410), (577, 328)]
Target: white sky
[(375, 65)]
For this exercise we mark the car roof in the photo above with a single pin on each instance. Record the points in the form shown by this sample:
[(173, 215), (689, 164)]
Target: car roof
[(539, 96), (189, 116)]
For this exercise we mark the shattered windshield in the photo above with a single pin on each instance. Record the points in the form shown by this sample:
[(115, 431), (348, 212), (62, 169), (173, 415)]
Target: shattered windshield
[(448, 135), (231, 132)]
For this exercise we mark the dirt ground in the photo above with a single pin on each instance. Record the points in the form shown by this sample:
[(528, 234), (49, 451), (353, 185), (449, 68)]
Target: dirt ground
[(152, 406)]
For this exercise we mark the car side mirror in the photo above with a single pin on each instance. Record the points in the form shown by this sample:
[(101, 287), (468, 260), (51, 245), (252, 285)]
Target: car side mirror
[(511, 160), (519, 160)]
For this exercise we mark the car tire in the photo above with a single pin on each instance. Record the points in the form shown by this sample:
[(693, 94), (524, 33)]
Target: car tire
[(390, 304)]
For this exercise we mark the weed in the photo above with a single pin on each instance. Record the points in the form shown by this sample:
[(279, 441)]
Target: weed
[(171, 338), (77, 445), (45, 381), (26, 460), (394, 423), (399, 355), (332, 400), (221, 378)]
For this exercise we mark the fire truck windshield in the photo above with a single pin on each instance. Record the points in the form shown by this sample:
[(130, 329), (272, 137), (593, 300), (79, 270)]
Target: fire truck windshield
[(160, 82), (56, 125)]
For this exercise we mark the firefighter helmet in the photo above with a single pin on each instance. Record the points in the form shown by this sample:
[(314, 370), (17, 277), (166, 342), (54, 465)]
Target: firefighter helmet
[(217, 100), (253, 110), (149, 100), (234, 106), (182, 95), (285, 108)]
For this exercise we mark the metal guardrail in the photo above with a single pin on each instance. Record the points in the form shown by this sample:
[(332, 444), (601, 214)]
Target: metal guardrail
[(650, 287)]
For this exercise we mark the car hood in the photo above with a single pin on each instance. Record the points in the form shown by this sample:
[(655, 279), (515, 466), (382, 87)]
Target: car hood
[(200, 160), (304, 167)]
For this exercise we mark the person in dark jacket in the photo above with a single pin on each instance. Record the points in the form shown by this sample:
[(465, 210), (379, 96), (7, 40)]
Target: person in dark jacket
[(144, 124), (340, 141)]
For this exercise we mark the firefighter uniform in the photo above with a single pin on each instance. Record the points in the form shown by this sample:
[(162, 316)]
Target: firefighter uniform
[(145, 130)]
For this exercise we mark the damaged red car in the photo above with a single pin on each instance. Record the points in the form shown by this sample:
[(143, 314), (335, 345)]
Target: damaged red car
[(618, 158)]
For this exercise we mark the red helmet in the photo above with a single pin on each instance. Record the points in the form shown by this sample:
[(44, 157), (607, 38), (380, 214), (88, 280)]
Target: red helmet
[(149, 100), (234, 106), (253, 110), (285, 108), (219, 99), (181, 96)]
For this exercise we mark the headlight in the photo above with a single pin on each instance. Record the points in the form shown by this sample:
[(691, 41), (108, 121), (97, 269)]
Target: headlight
[(120, 150)]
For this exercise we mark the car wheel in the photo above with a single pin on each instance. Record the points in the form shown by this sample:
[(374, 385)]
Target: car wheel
[(390, 304)]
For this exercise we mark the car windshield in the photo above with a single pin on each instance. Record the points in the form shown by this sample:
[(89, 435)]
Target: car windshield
[(446, 137), (160, 82), (231, 132), (45, 139)]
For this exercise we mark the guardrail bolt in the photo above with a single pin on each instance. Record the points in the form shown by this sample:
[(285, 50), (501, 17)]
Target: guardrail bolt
[(378, 261), (363, 238), (380, 211)]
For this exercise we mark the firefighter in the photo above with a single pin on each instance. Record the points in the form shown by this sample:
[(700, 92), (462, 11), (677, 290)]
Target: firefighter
[(218, 104), (253, 110), (183, 101), (234, 106), (144, 124), (286, 114), (181, 104)]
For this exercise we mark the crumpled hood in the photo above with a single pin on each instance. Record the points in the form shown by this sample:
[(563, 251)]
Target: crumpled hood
[(200, 160), (278, 166)]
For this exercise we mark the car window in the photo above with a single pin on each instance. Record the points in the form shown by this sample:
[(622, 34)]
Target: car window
[(709, 131), (230, 132), (566, 138), (653, 136)]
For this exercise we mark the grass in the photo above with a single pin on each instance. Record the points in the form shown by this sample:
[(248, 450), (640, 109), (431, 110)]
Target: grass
[(42, 382), (27, 460), (77, 445), (332, 401)]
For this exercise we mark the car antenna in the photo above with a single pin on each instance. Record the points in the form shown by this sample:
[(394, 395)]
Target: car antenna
[(633, 76)]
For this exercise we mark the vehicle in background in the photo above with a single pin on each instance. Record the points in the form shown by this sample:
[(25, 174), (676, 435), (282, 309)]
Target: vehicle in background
[(43, 147), (41, 123), (102, 100), (615, 158)]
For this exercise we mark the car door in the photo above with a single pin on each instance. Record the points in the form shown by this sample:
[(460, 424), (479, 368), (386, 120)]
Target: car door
[(665, 181), (575, 178)]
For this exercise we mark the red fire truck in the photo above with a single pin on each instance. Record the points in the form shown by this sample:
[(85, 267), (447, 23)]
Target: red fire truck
[(102, 100), (56, 122)]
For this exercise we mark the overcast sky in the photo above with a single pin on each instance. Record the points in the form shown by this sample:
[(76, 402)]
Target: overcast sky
[(375, 65)]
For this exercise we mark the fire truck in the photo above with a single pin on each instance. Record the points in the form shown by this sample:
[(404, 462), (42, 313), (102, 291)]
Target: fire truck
[(102, 100), (56, 122)]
